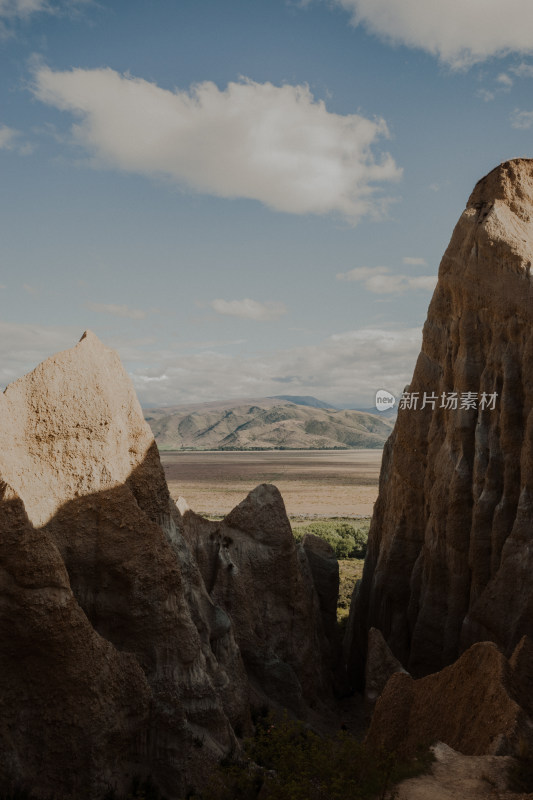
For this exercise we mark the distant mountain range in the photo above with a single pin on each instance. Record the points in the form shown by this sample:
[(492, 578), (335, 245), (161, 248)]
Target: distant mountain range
[(268, 423)]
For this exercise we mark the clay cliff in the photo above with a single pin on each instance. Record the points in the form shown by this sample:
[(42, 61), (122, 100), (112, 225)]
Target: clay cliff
[(116, 659), (450, 559)]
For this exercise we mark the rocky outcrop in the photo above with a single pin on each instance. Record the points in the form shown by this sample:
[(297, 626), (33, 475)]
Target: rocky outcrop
[(380, 665), (251, 567), (325, 572), (449, 558), (477, 705), (115, 659), (75, 449)]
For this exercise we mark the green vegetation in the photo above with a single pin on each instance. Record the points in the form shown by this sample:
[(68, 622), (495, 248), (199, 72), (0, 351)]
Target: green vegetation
[(348, 537), (288, 761), (350, 571)]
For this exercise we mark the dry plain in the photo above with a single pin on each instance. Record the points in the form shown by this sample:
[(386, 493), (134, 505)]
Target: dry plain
[(322, 483)]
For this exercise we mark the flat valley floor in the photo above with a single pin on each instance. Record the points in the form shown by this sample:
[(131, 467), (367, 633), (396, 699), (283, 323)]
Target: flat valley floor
[(321, 483)]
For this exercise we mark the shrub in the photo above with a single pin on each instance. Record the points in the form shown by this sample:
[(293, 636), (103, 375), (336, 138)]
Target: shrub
[(346, 540), (291, 762)]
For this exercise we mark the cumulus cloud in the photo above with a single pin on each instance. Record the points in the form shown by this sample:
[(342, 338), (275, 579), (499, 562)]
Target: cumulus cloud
[(249, 309), (274, 144), (522, 120), (118, 310), (381, 280), (459, 32)]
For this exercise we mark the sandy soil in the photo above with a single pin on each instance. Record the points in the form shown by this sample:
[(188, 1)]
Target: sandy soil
[(312, 482)]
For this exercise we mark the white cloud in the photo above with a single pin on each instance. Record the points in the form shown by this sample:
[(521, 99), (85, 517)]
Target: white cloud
[(7, 137), (427, 282), (347, 367), (522, 119), (504, 80), (22, 8), (10, 140), (249, 309), (381, 280), (275, 144), (414, 262), (117, 310), (523, 70), (362, 273), (459, 32), (486, 95)]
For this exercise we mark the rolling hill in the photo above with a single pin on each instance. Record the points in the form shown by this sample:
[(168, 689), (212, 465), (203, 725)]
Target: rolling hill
[(266, 423)]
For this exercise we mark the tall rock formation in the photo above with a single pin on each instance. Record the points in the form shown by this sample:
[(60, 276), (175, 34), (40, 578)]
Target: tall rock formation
[(114, 660), (450, 556), (254, 571)]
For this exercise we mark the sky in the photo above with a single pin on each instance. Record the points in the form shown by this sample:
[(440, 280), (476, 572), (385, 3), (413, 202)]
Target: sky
[(245, 198)]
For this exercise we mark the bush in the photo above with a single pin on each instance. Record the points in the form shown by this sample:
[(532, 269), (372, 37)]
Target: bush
[(291, 762), (347, 540)]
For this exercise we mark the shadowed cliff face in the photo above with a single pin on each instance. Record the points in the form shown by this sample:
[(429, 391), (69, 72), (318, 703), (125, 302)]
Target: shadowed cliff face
[(75, 711), (254, 571), (115, 661), (450, 559)]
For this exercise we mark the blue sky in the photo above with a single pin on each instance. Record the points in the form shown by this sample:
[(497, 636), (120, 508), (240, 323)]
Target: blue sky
[(245, 198)]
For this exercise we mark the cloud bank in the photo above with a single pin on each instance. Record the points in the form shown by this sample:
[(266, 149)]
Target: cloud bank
[(274, 144), (459, 32), (344, 368)]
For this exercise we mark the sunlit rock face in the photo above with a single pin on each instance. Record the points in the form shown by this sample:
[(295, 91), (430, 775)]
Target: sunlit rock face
[(115, 659), (450, 557), (82, 464)]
